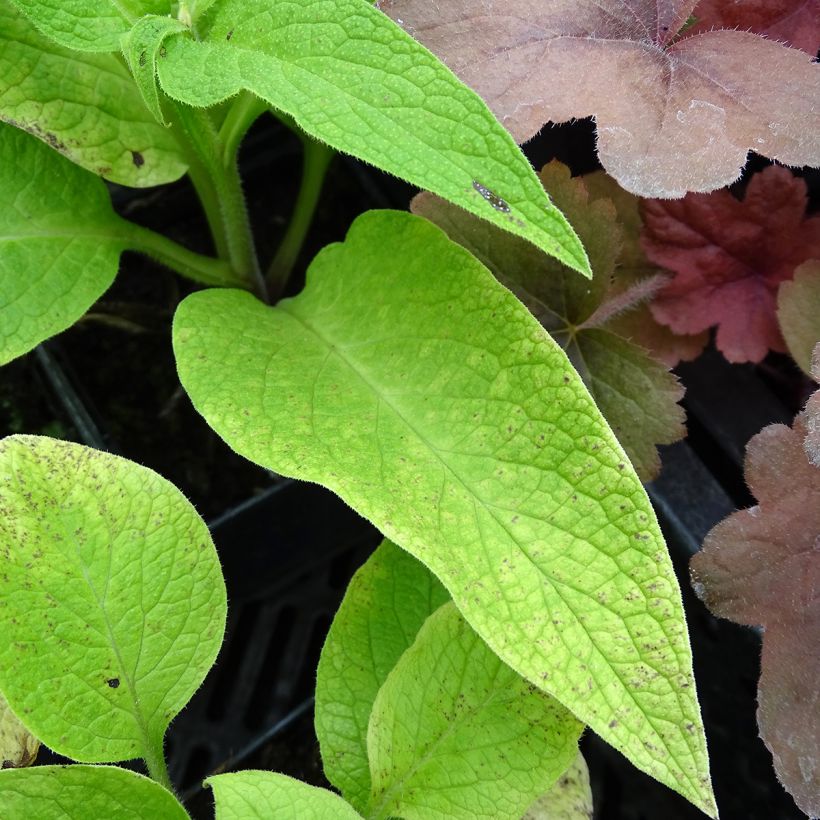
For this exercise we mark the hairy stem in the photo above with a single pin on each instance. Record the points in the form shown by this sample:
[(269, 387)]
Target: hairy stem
[(157, 767), (203, 269), (316, 160), (243, 113), (227, 191)]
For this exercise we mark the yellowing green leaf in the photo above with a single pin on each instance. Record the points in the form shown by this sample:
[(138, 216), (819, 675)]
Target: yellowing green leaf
[(353, 79), (409, 381), (455, 733), (798, 312), (569, 799), (89, 25), (59, 242), (83, 105), (637, 394), (84, 793), (18, 747), (384, 607), (113, 600), (253, 795)]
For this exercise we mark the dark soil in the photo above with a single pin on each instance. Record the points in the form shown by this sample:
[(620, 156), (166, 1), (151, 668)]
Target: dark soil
[(27, 405)]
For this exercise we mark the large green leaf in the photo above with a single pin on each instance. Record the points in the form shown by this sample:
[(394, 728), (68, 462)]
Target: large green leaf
[(384, 607), (89, 25), (409, 381), (352, 78), (455, 733), (84, 105), (252, 795), (84, 793), (59, 242), (113, 599)]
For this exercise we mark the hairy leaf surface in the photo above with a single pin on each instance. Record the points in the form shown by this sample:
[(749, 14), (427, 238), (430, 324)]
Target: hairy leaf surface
[(673, 115), (455, 733), (351, 78), (18, 747), (798, 312), (83, 105), (89, 25), (384, 607), (793, 22), (762, 567), (569, 799), (408, 380), (729, 258), (85, 793), (254, 795), (113, 599), (637, 394)]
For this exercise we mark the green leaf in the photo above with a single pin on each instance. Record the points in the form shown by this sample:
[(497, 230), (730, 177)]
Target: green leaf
[(352, 78), (798, 312), (455, 733), (409, 381), (569, 799), (89, 25), (384, 607), (637, 394), (113, 600), (59, 242), (254, 795), (84, 105), (18, 747), (85, 793), (142, 46)]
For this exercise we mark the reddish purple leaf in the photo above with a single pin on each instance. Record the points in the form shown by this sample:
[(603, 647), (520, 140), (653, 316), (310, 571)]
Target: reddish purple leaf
[(762, 567), (729, 257), (672, 115), (793, 22)]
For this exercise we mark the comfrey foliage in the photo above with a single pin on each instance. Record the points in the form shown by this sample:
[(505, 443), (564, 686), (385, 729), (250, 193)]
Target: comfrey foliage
[(425, 374)]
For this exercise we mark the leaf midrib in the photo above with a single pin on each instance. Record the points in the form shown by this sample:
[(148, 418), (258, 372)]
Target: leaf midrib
[(338, 349)]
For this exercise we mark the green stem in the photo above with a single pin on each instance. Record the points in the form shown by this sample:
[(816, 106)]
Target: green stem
[(226, 189), (209, 199), (242, 115), (203, 269), (157, 767), (317, 158)]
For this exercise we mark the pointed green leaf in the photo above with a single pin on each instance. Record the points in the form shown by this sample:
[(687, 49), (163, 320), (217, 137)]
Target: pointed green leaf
[(18, 747), (455, 733), (59, 242), (113, 600), (252, 795), (569, 799), (84, 105), (142, 47), (353, 79), (89, 25), (384, 607), (409, 381), (85, 793)]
